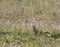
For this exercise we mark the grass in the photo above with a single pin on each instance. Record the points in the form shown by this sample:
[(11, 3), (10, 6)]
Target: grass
[(43, 13), (18, 16), (21, 37)]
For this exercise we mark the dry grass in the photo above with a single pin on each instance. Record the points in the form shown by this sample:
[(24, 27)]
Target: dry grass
[(45, 14)]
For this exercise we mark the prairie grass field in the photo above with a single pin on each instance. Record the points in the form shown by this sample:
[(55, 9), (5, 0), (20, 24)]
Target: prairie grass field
[(22, 37), (17, 18)]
